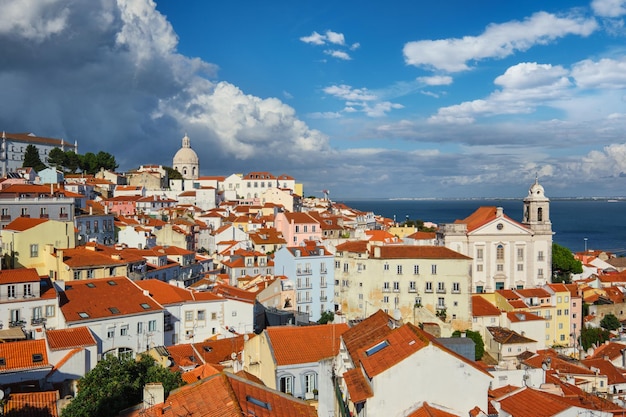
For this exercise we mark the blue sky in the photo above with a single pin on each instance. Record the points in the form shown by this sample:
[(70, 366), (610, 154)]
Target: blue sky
[(366, 99)]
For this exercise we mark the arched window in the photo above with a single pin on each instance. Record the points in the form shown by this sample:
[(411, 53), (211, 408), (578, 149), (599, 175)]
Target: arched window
[(500, 253), (285, 384), (310, 382), (540, 214)]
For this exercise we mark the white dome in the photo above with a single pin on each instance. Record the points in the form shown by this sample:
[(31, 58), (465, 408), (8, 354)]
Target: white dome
[(186, 160)]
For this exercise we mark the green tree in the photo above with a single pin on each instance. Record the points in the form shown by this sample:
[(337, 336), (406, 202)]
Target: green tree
[(72, 161), (172, 174), (115, 384), (564, 264), (479, 349), (593, 335), (610, 322), (89, 163), (32, 159), (56, 158), (326, 317), (105, 160)]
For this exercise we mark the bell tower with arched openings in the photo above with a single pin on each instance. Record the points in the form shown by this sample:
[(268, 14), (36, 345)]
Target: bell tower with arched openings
[(537, 210)]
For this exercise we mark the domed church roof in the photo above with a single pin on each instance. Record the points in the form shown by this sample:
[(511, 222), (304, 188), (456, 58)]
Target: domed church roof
[(186, 155)]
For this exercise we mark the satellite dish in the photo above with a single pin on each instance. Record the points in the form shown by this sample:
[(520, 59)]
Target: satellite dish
[(397, 315), (233, 356)]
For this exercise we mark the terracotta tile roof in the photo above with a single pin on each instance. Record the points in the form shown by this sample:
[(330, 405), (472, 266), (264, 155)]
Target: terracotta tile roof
[(267, 236), (358, 387), (612, 350), (23, 355), (520, 316), (379, 235), (104, 298), (576, 396), (24, 223), (228, 291), (533, 292), (366, 333), (531, 402), (200, 372), (228, 395), (305, 344), (164, 293), (183, 355), (356, 246), (606, 368), (62, 339), (507, 336), (423, 235), (427, 410), (32, 404), (218, 351), (482, 216), (300, 218), (399, 344), (557, 363), (517, 304), (481, 307), (18, 276), (95, 255), (417, 252)]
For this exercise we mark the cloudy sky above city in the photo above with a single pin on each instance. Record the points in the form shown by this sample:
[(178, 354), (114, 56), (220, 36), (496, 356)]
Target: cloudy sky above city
[(366, 99)]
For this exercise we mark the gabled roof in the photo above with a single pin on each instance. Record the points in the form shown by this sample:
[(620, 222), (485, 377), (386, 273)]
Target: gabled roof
[(21, 224), (481, 307), (606, 368), (32, 404), (521, 316), (427, 410), (23, 355), (612, 350), (355, 246), (166, 294), (63, 339), (97, 255), (482, 216), (228, 395), (304, 344), (104, 298), (358, 387), (299, 218), (417, 252), (366, 333), (218, 351), (507, 336), (18, 276), (530, 402)]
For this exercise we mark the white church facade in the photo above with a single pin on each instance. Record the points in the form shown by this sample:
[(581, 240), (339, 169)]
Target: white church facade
[(506, 253)]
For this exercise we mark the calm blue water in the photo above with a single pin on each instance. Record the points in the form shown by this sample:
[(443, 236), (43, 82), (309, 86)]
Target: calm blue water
[(603, 223)]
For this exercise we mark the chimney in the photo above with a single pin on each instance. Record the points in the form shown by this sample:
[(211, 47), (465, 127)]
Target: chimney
[(153, 393), (499, 211)]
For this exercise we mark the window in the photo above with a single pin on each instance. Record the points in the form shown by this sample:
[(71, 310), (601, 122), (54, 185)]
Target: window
[(416, 269), (540, 273), (297, 229), (396, 286), (500, 253), (124, 330), (560, 326), (386, 267), (345, 267), (499, 267), (34, 250), (111, 332), (24, 211), (520, 254), (479, 268), (441, 302), (386, 299), (337, 264), (139, 328), (520, 267), (36, 312), (441, 287), (152, 326), (310, 382), (479, 289), (562, 337), (429, 286), (285, 384), (90, 273), (201, 315), (27, 290), (11, 291), (456, 287), (540, 255), (412, 287), (566, 312), (188, 315), (479, 254), (77, 275), (386, 286), (559, 312), (433, 269), (499, 285), (50, 311), (399, 269), (305, 228)]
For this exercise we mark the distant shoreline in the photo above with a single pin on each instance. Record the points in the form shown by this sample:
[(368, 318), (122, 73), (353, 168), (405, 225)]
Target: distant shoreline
[(608, 199)]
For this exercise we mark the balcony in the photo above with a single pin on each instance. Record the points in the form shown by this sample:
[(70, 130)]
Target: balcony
[(44, 216), (38, 321), (412, 289), (5, 217), (396, 290), (63, 216), (323, 298), (386, 289), (323, 284), (456, 291), (441, 290), (323, 271), (428, 290), (17, 323)]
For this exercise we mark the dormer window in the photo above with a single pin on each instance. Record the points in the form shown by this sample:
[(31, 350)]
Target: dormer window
[(37, 357)]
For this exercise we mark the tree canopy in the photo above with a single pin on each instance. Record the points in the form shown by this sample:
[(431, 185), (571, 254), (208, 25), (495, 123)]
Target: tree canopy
[(593, 335), (610, 322), (172, 174), (32, 159), (117, 383), (88, 163), (564, 264)]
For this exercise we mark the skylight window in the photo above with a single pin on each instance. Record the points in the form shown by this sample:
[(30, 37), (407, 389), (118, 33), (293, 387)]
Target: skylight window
[(37, 357), (258, 402), (114, 310), (3, 361), (91, 285), (83, 315), (111, 282), (145, 306), (376, 348)]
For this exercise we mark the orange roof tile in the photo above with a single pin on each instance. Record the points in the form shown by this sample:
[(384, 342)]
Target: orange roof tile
[(482, 216), (427, 410), (32, 404), (218, 351), (21, 224), (70, 338), (531, 402), (358, 387), (304, 344), (417, 252), (22, 355), (104, 298), (18, 276), (481, 307)]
